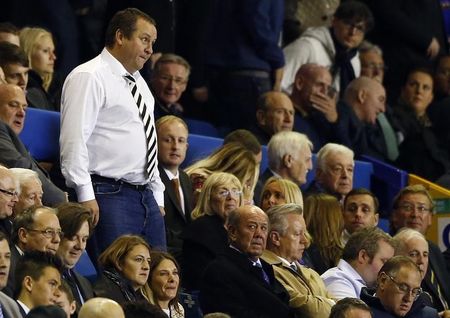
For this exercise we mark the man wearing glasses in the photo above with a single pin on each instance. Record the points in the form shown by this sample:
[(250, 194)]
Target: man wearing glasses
[(8, 199), (413, 208), (398, 292), (36, 229)]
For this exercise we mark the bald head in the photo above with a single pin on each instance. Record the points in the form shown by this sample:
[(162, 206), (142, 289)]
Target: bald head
[(367, 97), (101, 308), (13, 105)]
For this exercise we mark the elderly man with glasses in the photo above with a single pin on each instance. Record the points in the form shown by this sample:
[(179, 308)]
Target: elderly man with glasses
[(398, 292), (8, 199)]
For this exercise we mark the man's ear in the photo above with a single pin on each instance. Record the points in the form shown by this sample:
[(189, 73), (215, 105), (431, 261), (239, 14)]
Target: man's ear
[(261, 117), (363, 257), (231, 233), (22, 235), (274, 238), (299, 82), (361, 96), (377, 218), (28, 283), (119, 37), (287, 160)]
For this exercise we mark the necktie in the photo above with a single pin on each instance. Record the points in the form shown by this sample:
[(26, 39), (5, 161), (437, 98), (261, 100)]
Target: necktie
[(389, 137), (73, 286), (176, 188), (149, 127), (293, 266), (438, 289), (263, 273)]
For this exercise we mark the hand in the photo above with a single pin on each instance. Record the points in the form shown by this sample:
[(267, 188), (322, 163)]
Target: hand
[(161, 209), (326, 105), (95, 211), (277, 76), (445, 314), (200, 94), (433, 49)]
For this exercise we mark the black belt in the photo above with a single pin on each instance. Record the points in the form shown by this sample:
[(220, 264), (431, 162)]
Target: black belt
[(251, 73), (137, 187)]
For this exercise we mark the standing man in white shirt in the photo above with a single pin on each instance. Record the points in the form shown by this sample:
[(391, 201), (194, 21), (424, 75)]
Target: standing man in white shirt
[(108, 136)]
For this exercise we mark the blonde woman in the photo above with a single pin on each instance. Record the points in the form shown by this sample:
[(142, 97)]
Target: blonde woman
[(323, 217), (206, 236), (43, 89), (278, 191), (232, 158)]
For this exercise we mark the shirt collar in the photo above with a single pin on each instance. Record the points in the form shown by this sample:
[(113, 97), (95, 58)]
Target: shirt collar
[(116, 66)]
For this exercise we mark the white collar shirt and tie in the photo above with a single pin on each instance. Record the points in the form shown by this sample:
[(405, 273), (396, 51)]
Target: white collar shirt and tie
[(102, 131)]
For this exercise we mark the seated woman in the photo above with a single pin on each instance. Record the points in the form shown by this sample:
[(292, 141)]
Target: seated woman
[(164, 284), (323, 218), (233, 158), (44, 88), (206, 236), (125, 268), (420, 151), (278, 191)]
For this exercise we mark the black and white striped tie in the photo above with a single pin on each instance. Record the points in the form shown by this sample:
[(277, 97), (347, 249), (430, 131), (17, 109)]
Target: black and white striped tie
[(149, 127)]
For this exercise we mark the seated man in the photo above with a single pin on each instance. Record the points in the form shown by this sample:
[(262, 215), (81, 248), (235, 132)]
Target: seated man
[(334, 171), (168, 81), (364, 254), (172, 134), (12, 151), (239, 283), (30, 189), (38, 277), (413, 208), (9, 193), (372, 63), (398, 292), (36, 229), (285, 245), (350, 308), (99, 307), (360, 211), (76, 224), (290, 157), (275, 113), (8, 305), (15, 64)]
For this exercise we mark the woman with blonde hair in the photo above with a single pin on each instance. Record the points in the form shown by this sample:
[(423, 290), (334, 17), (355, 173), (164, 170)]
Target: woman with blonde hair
[(233, 158), (125, 268), (278, 191), (43, 88), (323, 217), (206, 236)]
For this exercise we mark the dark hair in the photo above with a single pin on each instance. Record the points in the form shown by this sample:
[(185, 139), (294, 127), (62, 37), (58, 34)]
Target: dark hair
[(33, 264), (365, 239), (72, 216), (3, 236), (418, 68), (25, 220), (65, 288), (7, 27), (12, 54), (345, 304), (362, 191), (52, 311), (142, 309), (394, 264), (355, 11), (125, 21), (245, 138)]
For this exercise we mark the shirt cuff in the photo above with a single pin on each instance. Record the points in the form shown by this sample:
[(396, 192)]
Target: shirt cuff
[(85, 192), (159, 197)]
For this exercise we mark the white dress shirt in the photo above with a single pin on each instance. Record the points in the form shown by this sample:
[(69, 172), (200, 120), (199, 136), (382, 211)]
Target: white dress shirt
[(24, 307), (101, 130), (343, 281)]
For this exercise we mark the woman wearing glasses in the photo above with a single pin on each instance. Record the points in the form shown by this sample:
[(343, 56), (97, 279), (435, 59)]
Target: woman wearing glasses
[(206, 236)]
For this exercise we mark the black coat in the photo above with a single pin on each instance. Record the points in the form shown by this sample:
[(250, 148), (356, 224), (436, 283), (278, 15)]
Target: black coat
[(232, 285)]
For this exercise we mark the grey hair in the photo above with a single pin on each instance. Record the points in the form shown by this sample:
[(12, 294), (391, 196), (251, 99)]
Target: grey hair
[(23, 175), (277, 216), (367, 46), (286, 143), (331, 149), (403, 236)]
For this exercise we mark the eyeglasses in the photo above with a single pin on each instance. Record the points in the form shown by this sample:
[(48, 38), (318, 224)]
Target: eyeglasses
[(408, 207), (226, 193), (10, 193), (177, 80), (49, 233), (405, 289), (357, 27), (375, 67)]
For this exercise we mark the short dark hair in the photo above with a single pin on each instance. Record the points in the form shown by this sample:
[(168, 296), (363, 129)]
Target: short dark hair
[(3, 236), (72, 216), (142, 309), (25, 220), (365, 239), (8, 27), (345, 304), (125, 21), (355, 11), (53, 311), (33, 264), (245, 138), (12, 54), (362, 191), (65, 288)]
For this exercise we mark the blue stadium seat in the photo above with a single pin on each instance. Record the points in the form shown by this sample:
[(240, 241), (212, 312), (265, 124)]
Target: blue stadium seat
[(41, 134), (200, 147), (200, 127), (86, 268)]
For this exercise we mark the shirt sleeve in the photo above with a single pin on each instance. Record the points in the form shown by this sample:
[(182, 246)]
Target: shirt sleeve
[(82, 98)]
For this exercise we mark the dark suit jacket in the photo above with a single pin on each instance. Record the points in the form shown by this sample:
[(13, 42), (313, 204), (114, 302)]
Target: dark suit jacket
[(437, 262), (83, 285), (15, 257), (105, 287), (260, 185), (232, 285), (175, 220), (14, 155)]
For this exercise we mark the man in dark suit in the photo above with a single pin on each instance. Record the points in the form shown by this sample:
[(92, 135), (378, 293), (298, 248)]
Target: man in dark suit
[(239, 283), (76, 224), (12, 151), (413, 208), (172, 146)]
